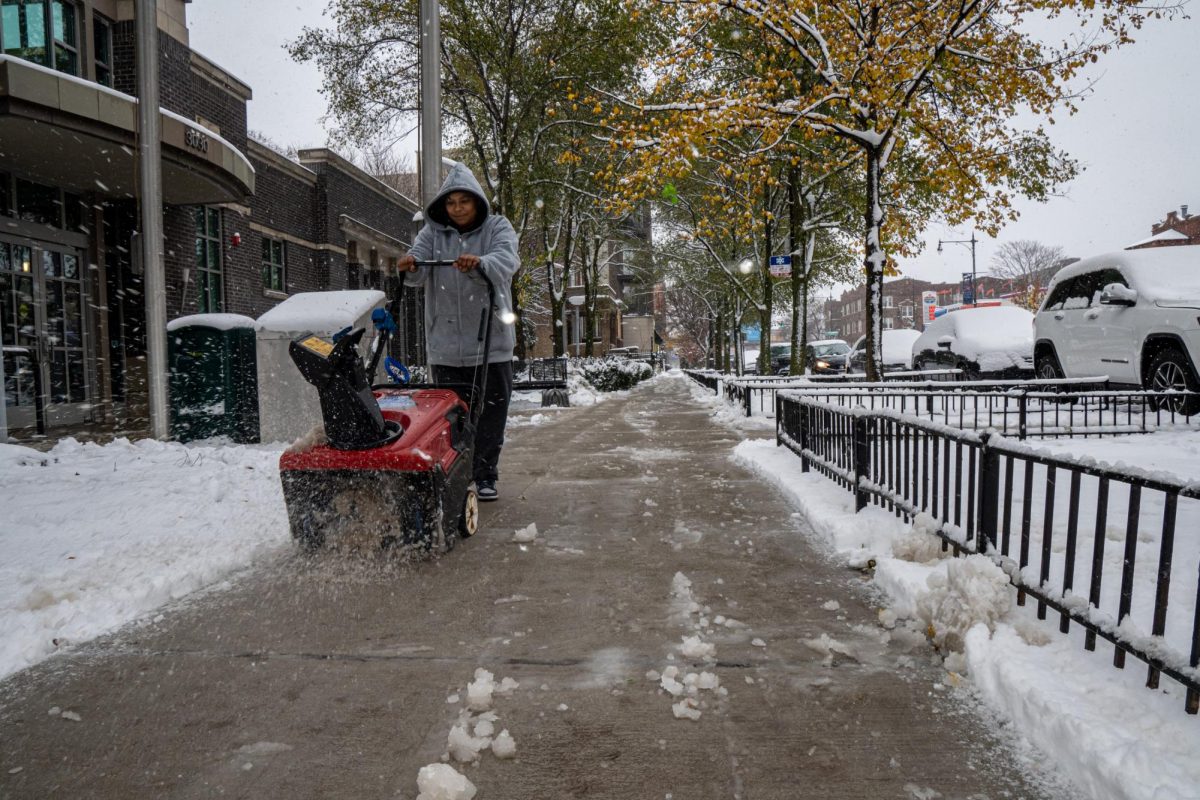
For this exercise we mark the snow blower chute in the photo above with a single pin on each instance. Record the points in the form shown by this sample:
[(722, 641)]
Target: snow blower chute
[(397, 467)]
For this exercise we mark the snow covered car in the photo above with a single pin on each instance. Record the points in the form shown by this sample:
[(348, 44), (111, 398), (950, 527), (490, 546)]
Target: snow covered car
[(991, 342), (897, 351), (1133, 315)]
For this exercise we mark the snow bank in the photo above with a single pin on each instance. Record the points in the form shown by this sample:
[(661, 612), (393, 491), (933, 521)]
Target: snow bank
[(1109, 734), (97, 536)]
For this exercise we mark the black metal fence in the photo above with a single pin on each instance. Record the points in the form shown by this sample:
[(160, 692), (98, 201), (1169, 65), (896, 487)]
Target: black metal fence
[(1039, 516), (709, 379)]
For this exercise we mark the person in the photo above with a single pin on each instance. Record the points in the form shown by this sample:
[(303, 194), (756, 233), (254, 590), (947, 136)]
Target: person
[(460, 227)]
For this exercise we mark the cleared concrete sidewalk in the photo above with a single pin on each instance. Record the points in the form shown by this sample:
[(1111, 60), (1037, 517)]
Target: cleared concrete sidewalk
[(329, 679)]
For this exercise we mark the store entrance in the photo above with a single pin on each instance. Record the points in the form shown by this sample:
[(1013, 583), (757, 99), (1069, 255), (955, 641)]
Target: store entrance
[(43, 310)]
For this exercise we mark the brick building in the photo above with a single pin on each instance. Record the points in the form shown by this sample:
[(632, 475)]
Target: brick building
[(244, 226), (1179, 228), (902, 303)]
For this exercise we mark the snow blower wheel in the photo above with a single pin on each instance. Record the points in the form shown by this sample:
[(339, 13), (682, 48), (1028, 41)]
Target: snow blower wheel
[(468, 522)]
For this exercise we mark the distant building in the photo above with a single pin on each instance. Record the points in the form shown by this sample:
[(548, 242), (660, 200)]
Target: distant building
[(1179, 228)]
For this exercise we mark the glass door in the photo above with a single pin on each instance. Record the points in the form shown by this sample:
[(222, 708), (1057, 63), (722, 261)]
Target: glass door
[(43, 307)]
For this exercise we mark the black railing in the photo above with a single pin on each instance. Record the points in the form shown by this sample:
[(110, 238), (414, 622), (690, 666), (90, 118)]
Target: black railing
[(991, 495), (706, 378)]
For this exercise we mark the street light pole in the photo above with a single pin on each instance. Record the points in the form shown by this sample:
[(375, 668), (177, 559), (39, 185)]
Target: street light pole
[(150, 191), (974, 281), (431, 101)]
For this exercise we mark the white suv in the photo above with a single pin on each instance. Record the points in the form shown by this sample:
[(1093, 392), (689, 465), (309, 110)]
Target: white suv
[(1133, 315)]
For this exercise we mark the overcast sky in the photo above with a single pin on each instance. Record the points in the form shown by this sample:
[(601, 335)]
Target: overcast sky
[(1135, 134)]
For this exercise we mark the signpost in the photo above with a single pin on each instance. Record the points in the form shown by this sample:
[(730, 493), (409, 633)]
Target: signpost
[(928, 306), (781, 266)]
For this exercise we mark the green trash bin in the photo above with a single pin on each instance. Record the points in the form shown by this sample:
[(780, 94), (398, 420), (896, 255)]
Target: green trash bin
[(213, 374)]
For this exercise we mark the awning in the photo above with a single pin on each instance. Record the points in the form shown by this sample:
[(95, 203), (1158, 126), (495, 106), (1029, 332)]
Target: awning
[(71, 133)]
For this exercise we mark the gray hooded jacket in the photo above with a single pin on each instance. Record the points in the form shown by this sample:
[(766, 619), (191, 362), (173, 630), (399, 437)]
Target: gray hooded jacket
[(454, 301)]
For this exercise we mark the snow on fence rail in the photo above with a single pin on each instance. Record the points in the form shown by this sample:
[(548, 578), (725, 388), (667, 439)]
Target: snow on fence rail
[(1019, 409), (1046, 519)]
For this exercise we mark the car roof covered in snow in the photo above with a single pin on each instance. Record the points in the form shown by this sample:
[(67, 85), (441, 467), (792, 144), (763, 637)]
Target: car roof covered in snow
[(1161, 273), (816, 342)]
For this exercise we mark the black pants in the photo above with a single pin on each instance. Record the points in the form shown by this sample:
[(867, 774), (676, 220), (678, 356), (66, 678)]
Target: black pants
[(489, 437)]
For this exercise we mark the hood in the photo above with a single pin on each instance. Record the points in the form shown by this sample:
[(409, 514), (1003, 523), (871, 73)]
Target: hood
[(460, 179)]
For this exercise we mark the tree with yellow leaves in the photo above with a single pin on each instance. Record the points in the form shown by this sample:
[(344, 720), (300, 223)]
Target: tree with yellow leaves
[(937, 85)]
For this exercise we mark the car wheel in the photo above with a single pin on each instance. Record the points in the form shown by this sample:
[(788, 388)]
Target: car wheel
[(468, 521), (1046, 367), (1169, 370)]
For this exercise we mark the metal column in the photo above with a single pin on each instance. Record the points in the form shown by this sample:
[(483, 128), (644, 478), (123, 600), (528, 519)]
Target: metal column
[(431, 101), (150, 195)]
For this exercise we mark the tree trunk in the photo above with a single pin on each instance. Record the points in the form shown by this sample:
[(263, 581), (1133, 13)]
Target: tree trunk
[(873, 263)]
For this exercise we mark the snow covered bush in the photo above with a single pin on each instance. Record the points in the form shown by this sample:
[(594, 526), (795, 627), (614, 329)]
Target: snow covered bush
[(613, 374)]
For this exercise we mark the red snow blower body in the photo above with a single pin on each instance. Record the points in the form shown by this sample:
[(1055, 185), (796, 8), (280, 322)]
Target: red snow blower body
[(397, 467)]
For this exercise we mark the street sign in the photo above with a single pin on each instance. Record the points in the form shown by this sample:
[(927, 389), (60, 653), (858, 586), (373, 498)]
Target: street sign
[(968, 289), (781, 266), (928, 306)]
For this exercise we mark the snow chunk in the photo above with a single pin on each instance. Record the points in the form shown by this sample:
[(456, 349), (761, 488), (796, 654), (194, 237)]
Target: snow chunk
[(504, 746), (758, 642), (973, 590), (479, 691), (686, 709), (464, 747), (71, 715), (443, 782), (526, 534), (695, 647), (507, 686), (831, 605), (827, 646)]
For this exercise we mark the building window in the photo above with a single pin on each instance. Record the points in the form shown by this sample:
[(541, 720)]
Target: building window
[(887, 323), (23, 31), (102, 49), (208, 260), (66, 37), (887, 301), (39, 203), (274, 263)]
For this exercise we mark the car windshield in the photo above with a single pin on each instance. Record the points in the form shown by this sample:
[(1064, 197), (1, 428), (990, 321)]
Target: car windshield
[(832, 349), (778, 350)]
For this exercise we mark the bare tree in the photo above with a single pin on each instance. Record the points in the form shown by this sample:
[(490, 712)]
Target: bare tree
[(380, 159), (1027, 265)]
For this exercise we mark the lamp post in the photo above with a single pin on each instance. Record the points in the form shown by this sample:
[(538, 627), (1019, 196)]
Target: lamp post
[(971, 242)]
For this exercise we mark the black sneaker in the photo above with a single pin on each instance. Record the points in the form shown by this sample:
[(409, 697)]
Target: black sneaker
[(486, 490)]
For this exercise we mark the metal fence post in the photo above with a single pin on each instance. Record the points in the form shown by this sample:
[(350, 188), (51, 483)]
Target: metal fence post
[(802, 411), (862, 458), (747, 390), (989, 493), (1023, 415)]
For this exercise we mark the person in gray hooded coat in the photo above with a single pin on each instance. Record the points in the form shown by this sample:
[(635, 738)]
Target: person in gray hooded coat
[(460, 227)]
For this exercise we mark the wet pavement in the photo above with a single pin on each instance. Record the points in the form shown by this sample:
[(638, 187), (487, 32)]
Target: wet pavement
[(329, 677)]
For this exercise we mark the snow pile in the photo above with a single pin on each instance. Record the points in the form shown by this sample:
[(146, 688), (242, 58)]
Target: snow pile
[(443, 782), (479, 691), (696, 648), (1103, 728), (686, 687), (96, 536), (972, 590), (474, 731), (827, 647), (688, 690), (526, 534)]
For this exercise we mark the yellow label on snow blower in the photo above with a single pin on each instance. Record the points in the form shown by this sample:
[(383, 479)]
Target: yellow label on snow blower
[(318, 345)]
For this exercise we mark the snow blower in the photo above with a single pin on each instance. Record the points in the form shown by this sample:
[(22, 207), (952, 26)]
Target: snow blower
[(396, 469)]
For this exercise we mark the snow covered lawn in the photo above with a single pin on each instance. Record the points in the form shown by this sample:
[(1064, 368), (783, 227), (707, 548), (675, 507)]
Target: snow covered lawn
[(97, 536), (1112, 736)]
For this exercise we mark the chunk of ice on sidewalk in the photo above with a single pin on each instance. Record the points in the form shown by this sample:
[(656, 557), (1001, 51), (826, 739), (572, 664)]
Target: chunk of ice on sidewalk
[(526, 534), (504, 746), (443, 782), (464, 747), (695, 647), (685, 709), (507, 686), (758, 642), (479, 691), (831, 605)]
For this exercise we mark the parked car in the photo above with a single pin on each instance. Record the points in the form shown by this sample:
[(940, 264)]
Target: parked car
[(992, 342), (1130, 315), (897, 351)]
